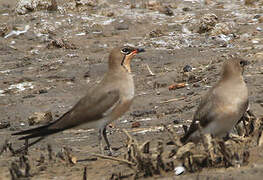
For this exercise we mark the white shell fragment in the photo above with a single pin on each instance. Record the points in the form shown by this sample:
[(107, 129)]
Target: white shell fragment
[(179, 170), (17, 32)]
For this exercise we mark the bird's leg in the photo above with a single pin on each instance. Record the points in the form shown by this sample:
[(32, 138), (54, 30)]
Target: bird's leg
[(106, 140), (226, 137), (100, 141), (26, 146)]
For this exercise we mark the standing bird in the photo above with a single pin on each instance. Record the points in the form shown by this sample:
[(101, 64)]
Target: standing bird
[(223, 105), (104, 103)]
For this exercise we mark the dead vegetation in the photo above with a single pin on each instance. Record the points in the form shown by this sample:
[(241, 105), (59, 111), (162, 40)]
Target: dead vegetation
[(25, 165), (146, 161)]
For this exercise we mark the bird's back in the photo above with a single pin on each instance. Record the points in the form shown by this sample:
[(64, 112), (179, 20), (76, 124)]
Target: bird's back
[(224, 105)]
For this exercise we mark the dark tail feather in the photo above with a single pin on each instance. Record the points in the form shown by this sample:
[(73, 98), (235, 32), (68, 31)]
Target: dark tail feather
[(43, 133), (29, 131), (37, 132)]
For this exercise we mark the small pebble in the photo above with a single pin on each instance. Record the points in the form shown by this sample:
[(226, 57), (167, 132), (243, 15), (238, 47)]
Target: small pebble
[(4, 124), (255, 41), (22, 124), (42, 91), (259, 29), (187, 68), (175, 121), (186, 9)]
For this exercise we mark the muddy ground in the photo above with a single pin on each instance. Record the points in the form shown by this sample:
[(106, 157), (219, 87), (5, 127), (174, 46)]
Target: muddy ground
[(63, 51)]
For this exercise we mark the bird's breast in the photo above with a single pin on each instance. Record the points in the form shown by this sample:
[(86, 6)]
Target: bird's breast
[(234, 96), (128, 89)]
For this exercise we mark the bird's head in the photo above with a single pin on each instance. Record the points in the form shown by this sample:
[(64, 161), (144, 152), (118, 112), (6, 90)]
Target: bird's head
[(122, 56), (234, 67)]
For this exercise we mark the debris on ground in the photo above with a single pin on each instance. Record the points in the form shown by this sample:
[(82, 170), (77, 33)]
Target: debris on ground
[(190, 157), (207, 22), (60, 43), (26, 6), (177, 86), (4, 124), (40, 118)]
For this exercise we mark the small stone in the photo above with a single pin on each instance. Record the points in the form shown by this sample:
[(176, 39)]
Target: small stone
[(155, 33), (122, 27), (186, 9), (259, 29), (91, 3), (187, 68), (42, 91), (159, 84), (255, 41), (40, 118), (222, 28), (110, 14), (4, 124), (3, 29), (26, 6), (22, 124), (165, 10), (87, 74), (140, 113), (175, 121), (207, 22), (260, 20), (153, 5), (61, 43)]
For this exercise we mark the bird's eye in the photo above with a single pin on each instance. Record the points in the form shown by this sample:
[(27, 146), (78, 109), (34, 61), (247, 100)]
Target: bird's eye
[(125, 51), (243, 63)]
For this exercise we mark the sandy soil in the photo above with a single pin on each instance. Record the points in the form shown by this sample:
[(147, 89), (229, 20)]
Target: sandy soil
[(64, 52)]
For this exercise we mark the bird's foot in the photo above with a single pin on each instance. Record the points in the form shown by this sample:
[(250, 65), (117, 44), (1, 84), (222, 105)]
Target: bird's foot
[(111, 151)]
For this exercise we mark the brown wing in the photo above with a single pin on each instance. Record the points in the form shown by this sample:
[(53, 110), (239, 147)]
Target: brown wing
[(89, 108), (212, 107), (202, 114)]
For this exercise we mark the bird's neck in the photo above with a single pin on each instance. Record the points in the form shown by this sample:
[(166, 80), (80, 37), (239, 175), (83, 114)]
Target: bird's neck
[(119, 73), (232, 77), (120, 70)]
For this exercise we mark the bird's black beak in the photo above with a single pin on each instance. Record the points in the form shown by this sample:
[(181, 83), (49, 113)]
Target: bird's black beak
[(244, 63), (139, 50)]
